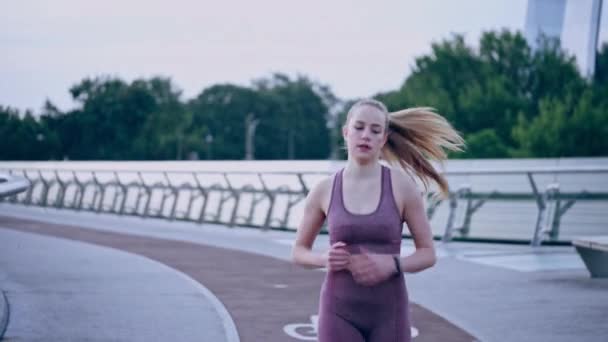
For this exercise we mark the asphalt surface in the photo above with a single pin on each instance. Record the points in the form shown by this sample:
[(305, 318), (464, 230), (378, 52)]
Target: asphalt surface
[(266, 298), (494, 292)]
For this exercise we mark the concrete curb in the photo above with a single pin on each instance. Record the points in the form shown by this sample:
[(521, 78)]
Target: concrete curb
[(4, 314), (228, 324)]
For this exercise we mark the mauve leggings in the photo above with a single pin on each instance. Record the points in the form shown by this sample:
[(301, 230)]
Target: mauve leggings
[(363, 314)]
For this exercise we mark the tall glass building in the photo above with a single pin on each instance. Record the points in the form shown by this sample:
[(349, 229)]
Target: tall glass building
[(575, 23), (544, 17)]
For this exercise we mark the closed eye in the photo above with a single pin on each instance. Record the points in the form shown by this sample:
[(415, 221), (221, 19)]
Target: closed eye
[(376, 129)]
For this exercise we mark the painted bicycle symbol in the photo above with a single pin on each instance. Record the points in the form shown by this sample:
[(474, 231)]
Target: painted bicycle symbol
[(303, 331), (308, 331)]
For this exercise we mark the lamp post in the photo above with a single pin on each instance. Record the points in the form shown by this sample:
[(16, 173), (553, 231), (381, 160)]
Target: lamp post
[(209, 141), (250, 125)]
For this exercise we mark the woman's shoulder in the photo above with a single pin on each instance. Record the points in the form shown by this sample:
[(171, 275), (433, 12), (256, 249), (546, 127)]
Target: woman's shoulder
[(404, 181), (322, 190), (323, 186)]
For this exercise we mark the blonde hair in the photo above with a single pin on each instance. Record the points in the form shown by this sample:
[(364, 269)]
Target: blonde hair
[(416, 136)]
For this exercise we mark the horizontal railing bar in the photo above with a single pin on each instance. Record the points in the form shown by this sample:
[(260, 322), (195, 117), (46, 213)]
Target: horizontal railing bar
[(484, 171)]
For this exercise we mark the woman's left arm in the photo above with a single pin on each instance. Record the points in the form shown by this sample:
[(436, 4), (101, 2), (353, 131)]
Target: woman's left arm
[(414, 215)]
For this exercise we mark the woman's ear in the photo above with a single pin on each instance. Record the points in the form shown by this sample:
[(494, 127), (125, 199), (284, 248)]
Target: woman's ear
[(344, 132), (385, 139)]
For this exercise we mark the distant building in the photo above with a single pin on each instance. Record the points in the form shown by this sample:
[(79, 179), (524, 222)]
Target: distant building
[(544, 17), (575, 23)]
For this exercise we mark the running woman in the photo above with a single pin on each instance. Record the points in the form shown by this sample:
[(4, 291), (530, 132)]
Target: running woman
[(364, 296)]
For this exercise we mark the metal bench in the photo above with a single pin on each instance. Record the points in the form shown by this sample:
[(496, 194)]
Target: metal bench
[(11, 185), (594, 252)]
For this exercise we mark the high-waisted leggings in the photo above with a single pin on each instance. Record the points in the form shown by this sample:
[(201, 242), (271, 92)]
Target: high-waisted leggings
[(354, 313)]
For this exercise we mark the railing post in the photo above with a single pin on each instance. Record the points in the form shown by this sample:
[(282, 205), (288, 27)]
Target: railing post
[(297, 197), (541, 204), (79, 195), (175, 194), (271, 198), (471, 208), (204, 195), (59, 198), (45, 190), (237, 196), (432, 203), (28, 195), (102, 192), (447, 235), (148, 193), (463, 191), (552, 230), (559, 210), (125, 193)]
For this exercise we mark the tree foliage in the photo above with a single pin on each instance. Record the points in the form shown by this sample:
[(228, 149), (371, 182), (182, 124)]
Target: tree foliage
[(505, 98)]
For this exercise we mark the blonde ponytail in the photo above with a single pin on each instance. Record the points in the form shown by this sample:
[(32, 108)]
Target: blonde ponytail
[(416, 136)]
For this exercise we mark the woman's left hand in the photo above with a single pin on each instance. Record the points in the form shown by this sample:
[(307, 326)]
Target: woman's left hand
[(369, 269)]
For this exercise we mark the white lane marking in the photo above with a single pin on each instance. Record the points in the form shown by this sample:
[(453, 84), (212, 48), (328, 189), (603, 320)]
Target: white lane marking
[(530, 262)]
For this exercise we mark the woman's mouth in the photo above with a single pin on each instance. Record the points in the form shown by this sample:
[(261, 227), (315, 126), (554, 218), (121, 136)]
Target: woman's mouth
[(364, 147)]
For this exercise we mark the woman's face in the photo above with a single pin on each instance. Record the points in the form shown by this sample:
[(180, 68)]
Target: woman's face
[(365, 133)]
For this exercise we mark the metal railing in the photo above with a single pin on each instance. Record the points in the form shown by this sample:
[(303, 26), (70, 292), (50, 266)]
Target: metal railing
[(85, 190), (249, 198), (551, 203)]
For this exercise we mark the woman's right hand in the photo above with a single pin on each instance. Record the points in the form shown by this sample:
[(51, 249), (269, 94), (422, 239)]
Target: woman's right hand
[(337, 258)]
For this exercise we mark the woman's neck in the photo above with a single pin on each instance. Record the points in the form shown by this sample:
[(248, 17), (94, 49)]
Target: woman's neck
[(357, 170)]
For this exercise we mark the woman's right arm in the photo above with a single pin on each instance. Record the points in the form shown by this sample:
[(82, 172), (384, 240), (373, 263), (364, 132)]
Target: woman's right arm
[(310, 225)]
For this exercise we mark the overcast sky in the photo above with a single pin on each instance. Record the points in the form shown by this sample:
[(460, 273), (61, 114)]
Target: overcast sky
[(358, 48)]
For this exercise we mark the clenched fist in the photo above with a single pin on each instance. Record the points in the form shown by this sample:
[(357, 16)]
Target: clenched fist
[(337, 257), (369, 269)]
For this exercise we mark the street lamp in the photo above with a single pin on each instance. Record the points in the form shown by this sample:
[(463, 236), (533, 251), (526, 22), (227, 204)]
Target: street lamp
[(208, 141), (250, 125)]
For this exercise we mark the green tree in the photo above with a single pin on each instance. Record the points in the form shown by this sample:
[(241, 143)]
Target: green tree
[(601, 66), (23, 136), (299, 116), (542, 135), (163, 134), (111, 114), (556, 132), (554, 74), (485, 144), (115, 120), (483, 92), (219, 112), (506, 99)]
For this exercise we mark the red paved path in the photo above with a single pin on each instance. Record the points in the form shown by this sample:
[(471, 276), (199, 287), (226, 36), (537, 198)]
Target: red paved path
[(245, 283)]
